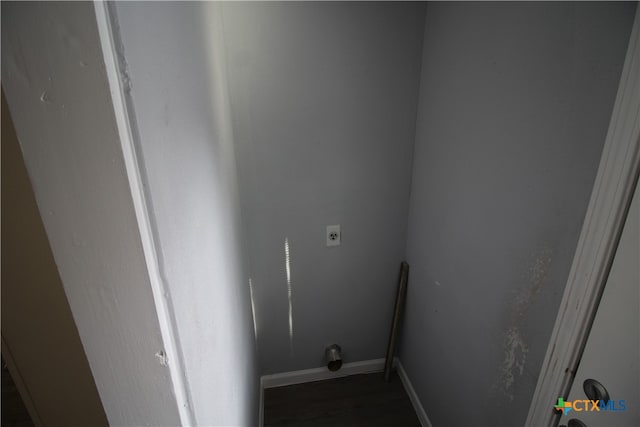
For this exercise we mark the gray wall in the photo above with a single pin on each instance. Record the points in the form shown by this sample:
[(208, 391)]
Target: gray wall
[(178, 87), (324, 98), (515, 101)]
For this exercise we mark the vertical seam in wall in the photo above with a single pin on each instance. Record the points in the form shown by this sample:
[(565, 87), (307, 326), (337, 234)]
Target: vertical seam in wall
[(247, 260), (227, 96), (120, 85), (245, 249)]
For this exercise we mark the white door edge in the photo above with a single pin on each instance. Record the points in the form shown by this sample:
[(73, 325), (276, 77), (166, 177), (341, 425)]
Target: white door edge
[(610, 199)]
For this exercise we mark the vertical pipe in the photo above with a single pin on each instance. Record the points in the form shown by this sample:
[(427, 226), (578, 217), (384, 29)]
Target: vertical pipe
[(397, 314)]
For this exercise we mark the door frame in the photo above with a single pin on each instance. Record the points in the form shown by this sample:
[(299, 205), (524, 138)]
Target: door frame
[(21, 386), (106, 20), (608, 207)]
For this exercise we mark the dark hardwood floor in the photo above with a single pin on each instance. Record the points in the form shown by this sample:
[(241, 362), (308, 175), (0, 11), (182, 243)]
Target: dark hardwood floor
[(357, 400)]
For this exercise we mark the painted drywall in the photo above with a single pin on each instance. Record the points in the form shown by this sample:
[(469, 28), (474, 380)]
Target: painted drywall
[(515, 102), (55, 82), (324, 98), (37, 326), (176, 80)]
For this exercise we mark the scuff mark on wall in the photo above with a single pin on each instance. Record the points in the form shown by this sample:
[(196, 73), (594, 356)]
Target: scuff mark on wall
[(124, 73), (123, 66), (514, 346), (538, 272), (162, 357), (515, 356), (44, 98)]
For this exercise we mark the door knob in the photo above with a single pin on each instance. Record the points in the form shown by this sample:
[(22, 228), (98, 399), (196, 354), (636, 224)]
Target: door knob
[(595, 390)]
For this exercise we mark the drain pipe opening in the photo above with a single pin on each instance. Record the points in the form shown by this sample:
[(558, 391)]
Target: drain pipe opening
[(334, 360)]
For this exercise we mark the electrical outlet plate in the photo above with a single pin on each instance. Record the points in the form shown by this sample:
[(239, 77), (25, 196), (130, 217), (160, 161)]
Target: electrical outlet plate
[(334, 235)]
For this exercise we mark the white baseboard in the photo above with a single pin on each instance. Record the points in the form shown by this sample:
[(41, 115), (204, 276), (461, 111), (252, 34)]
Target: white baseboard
[(322, 373), (417, 406), (318, 374)]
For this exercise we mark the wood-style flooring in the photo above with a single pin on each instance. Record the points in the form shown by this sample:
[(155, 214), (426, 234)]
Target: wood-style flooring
[(357, 400)]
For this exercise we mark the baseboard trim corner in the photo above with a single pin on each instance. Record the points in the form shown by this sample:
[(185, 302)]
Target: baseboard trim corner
[(415, 401)]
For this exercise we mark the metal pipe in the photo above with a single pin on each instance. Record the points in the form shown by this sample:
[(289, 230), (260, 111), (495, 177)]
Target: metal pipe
[(397, 315), (332, 354)]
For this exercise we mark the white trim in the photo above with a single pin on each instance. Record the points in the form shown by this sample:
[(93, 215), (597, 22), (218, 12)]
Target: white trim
[(610, 199), (162, 303), (413, 396), (318, 374)]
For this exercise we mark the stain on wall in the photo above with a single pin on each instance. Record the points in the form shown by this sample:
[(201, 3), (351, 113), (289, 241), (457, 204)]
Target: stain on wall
[(514, 346)]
